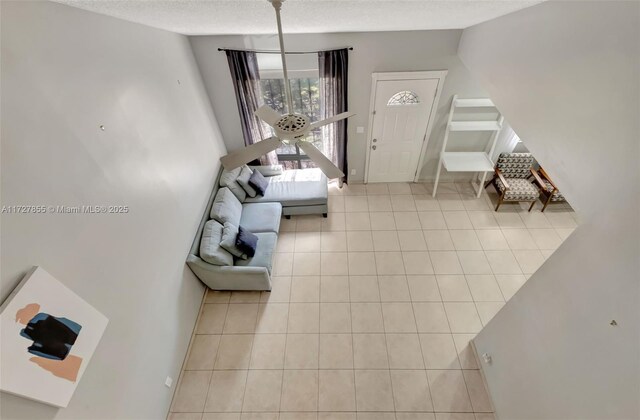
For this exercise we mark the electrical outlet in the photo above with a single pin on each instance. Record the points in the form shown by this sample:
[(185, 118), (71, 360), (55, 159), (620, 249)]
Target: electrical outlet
[(168, 382), (353, 172)]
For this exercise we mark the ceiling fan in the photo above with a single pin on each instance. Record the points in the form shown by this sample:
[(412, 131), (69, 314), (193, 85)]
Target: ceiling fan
[(290, 128)]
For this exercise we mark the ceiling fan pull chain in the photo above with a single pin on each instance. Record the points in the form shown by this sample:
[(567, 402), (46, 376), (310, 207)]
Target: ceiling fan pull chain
[(276, 5)]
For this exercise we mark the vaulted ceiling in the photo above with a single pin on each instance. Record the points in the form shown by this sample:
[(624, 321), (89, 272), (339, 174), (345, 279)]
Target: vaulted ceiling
[(215, 17)]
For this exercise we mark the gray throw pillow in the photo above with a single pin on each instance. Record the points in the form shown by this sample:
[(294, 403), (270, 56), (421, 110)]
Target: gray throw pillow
[(210, 249), (229, 236), (226, 207), (259, 182), (243, 180), (247, 242), (229, 179)]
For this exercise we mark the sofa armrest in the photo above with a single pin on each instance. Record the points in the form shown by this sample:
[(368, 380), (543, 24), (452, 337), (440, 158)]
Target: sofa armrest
[(537, 178), (269, 170), (229, 277), (504, 181)]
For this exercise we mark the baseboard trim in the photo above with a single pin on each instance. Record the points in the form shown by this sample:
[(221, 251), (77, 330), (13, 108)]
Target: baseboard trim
[(480, 364)]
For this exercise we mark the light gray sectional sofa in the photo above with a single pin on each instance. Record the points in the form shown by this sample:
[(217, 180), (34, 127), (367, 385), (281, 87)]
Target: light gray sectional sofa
[(289, 193), (300, 191)]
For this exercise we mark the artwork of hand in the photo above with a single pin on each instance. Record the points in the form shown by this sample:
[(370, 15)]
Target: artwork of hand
[(53, 338), (65, 369), (48, 335)]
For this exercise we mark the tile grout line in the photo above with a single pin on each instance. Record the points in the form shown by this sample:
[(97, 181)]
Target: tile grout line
[(451, 333), (426, 373), (246, 380), (319, 331), (384, 330), (218, 349), (353, 347), (412, 194)]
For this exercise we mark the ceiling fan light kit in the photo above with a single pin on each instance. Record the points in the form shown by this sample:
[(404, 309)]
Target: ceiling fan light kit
[(290, 128)]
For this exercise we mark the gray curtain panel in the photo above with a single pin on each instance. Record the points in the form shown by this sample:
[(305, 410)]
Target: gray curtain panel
[(334, 68), (246, 82)]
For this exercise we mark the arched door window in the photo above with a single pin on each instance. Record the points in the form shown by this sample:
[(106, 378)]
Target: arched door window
[(405, 97)]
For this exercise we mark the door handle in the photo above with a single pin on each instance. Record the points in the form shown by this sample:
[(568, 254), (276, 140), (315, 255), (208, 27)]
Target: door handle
[(373, 147)]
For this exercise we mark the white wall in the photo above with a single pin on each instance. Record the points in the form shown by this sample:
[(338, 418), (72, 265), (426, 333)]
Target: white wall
[(566, 75), (373, 52), (64, 73)]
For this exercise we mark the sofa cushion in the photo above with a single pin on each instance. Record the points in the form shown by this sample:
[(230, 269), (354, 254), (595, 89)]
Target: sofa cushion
[(519, 190), (264, 251), (226, 207), (246, 242), (210, 249), (298, 187), (243, 180), (258, 182), (229, 179), (557, 196), (261, 217), (228, 242)]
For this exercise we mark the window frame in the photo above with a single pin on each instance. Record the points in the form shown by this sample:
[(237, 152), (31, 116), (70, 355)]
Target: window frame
[(299, 156)]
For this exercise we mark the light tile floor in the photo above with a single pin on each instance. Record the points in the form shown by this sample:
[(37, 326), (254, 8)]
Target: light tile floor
[(371, 311)]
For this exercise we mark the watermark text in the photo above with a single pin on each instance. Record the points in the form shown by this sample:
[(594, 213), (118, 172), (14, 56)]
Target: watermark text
[(63, 209)]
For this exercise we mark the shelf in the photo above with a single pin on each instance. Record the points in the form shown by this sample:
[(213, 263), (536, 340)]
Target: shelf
[(467, 162), (474, 103), (474, 126)]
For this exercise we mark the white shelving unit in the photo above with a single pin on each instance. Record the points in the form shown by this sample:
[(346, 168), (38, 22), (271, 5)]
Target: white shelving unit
[(474, 126), (479, 162)]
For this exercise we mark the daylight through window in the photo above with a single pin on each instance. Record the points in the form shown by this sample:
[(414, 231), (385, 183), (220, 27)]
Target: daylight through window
[(305, 93)]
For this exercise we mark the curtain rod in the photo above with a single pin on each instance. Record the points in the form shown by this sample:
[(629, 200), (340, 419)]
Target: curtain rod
[(286, 52)]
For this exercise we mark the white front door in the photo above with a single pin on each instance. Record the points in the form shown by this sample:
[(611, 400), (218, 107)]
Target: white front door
[(402, 111)]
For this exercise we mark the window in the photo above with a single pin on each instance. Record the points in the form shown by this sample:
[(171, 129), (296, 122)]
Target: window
[(304, 82), (404, 97)]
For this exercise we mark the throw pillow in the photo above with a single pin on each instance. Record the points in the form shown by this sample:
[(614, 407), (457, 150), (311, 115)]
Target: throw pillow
[(210, 249), (229, 237), (258, 182), (243, 180), (247, 242), (229, 179)]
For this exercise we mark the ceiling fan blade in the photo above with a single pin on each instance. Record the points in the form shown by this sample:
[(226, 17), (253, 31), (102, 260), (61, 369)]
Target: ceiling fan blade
[(333, 119), (268, 115), (325, 165), (240, 157)]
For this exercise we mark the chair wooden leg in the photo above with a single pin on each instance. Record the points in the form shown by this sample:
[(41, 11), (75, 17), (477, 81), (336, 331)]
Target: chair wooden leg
[(546, 203), (489, 182), (532, 204), (499, 202)]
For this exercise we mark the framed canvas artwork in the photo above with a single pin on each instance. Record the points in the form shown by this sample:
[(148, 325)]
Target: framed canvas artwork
[(47, 337)]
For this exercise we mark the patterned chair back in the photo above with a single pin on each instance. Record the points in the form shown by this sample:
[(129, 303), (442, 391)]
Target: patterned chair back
[(515, 165)]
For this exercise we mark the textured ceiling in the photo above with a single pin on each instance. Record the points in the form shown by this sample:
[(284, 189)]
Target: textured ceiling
[(215, 17)]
